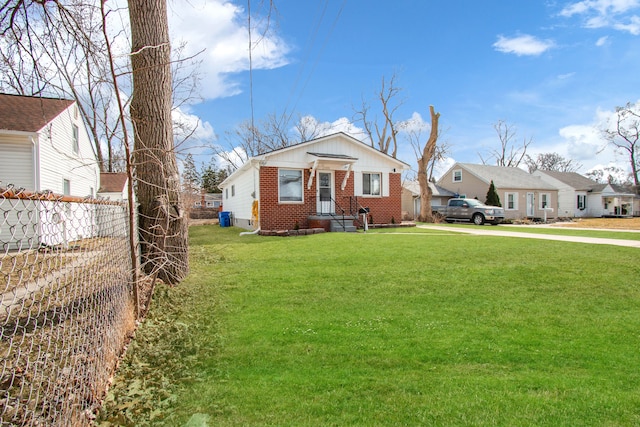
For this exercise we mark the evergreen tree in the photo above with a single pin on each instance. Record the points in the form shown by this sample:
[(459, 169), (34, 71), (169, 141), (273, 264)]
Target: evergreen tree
[(492, 196), (190, 176)]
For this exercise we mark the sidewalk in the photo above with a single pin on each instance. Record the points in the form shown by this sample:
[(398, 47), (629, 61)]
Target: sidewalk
[(503, 230)]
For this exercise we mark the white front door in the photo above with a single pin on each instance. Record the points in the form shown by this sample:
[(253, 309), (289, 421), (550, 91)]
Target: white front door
[(530, 205), (325, 193)]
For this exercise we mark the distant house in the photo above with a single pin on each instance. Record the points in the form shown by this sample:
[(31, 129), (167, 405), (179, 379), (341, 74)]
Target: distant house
[(44, 146), (411, 200), (522, 194), (611, 200), (114, 186), (208, 201), (579, 196), (314, 184)]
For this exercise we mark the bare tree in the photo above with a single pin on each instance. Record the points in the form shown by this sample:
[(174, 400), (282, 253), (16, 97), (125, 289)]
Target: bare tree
[(624, 135), (163, 223), (272, 133), (551, 162), (509, 154), (425, 159), (382, 130)]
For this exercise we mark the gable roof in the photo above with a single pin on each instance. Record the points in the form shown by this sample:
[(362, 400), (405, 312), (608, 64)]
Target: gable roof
[(334, 135), (437, 191), (112, 182), (572, 179), (28, 113), (616, 188), (330, 156), (506, 177)]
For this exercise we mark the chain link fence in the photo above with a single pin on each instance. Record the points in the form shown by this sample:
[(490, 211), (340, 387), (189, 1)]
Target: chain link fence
[(67, 305)]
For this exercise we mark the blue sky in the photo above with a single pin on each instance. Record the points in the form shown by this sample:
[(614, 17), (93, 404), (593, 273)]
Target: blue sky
[(554, 70)]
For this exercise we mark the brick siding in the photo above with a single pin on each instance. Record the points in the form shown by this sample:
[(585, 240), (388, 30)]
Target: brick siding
[(285, 216)]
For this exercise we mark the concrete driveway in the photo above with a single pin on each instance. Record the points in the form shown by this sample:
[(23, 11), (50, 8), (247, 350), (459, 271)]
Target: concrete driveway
[(503, 230)]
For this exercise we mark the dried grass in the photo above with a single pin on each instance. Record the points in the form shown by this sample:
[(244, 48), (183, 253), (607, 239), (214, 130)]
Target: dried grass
[(605, 223)]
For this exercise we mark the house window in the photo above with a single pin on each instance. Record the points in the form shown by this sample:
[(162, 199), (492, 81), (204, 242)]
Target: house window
[(290, 185), (512, 201), (66, 187), (371, 184), (233, 190), (582, 201), (76, 146), (545, 199), (226, 193), (457, 175)]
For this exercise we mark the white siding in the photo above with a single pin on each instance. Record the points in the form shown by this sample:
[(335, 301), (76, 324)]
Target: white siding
[(58, 161), (240, 203)]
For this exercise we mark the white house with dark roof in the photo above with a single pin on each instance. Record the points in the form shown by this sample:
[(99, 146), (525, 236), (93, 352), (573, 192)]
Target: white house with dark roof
[(44, 146), (579, 196), (522, 194)]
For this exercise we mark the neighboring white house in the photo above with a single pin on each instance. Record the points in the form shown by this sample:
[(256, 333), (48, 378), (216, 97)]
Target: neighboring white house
[(44, 146), (579, 196), (573, 192)]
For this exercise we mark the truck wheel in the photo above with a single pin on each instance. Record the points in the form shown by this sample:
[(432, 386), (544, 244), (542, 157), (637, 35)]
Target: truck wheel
[(478, 219)]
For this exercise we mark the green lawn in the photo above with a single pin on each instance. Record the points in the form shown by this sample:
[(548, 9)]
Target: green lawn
[(423, 328), (559, 231)]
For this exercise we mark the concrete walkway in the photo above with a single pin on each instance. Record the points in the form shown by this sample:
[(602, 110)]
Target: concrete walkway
[(503, 230)]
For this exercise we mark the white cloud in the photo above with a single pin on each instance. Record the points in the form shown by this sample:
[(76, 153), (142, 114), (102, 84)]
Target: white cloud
[(190, 133), (632, 26), (606, 14), (343, 124), (602, 41), (217, 31), (522, 45), (414, 124)]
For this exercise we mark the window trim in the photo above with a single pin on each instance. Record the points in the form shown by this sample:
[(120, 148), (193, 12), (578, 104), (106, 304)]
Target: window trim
[(542, 197), (584, 202), (291, 202), (379, 194), (75, 143), (515, 201), (456, 172)]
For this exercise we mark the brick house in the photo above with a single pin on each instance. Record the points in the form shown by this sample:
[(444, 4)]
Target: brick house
[(323, 183)]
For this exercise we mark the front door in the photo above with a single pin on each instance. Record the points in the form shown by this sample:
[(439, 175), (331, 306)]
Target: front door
[(325, 194), (530, 205)]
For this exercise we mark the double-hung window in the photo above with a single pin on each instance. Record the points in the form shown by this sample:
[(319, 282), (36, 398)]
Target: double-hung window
[(290, 185), (582, 201), (74, 141), (371, 184), (545, 200), (457, 175), (512, 201)]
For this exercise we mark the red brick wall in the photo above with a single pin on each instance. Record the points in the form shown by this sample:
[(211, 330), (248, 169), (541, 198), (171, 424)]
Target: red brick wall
[(277, 216), (382, 210)]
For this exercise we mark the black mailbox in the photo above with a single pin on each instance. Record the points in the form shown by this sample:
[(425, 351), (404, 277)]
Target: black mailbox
[(363, 210)]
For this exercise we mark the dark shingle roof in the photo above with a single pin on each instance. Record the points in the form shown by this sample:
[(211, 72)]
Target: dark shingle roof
[(572, 179), (28, 113), (507, 177)]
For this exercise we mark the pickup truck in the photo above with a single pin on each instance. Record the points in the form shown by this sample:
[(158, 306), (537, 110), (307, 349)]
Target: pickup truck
[(470, 210)]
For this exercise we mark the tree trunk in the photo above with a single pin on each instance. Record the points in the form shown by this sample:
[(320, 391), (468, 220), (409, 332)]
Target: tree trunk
[(428, 152), (163, 224)]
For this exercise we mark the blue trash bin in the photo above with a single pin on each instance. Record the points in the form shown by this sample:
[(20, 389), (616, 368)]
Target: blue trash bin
[(224, 218)]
